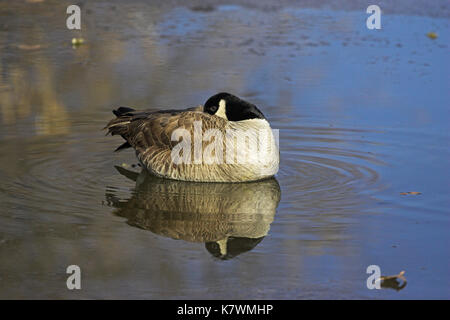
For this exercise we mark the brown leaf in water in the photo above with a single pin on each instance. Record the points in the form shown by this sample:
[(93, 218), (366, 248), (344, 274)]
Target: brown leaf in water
[(392, 281), (414, 193), (397, 276)]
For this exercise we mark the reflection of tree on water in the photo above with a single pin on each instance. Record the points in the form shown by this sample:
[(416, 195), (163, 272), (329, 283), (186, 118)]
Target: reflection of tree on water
[(230, 218), (44, 80), (20, 98), (28, 86)]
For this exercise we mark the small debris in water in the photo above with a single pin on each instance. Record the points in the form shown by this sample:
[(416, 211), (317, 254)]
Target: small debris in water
[(392, 281), (203, 8), (29, 46), (432, 35), (397, 276), (77, 41), (414, 193)]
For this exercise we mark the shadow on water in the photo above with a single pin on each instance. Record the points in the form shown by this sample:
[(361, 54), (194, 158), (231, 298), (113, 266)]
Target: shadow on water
[(230, 218)]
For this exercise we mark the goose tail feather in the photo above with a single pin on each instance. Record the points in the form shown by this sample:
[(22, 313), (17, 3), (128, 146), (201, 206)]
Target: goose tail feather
[(119, 125)]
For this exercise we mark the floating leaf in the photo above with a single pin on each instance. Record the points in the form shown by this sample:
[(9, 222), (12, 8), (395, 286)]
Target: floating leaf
[(392, 281), (432, 35), (414, 193), (397, 276)]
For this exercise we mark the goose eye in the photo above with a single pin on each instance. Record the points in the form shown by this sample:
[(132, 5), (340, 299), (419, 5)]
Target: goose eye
[(214, 109)]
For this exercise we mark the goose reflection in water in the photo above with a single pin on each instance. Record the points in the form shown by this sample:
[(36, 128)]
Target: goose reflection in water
[(230, 218)]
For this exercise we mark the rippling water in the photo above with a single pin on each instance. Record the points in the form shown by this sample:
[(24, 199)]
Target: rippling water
[(363, 116)]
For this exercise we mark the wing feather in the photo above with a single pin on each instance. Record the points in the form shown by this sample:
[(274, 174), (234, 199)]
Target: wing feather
[(151, 138), (149, 133)]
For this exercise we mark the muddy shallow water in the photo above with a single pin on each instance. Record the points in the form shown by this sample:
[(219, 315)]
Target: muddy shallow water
[(363, 117)]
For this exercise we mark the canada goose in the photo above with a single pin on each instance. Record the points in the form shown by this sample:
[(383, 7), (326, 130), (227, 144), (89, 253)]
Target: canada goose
[(230, 218), (226, 140)]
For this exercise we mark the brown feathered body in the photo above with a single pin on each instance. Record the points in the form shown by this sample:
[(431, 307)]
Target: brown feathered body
[(151, 135)]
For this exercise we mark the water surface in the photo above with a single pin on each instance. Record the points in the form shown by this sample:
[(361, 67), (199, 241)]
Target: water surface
[(363, 116)]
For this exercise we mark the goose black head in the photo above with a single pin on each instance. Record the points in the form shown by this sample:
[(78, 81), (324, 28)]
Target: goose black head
[(231, 247), (232, 108)]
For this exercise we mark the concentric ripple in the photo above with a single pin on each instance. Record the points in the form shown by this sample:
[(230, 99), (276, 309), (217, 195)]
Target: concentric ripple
[(324, 167), (61, 175)]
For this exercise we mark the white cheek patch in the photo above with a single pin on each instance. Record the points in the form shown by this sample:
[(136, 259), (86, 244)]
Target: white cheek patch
[(221, 111), (222, 246)]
